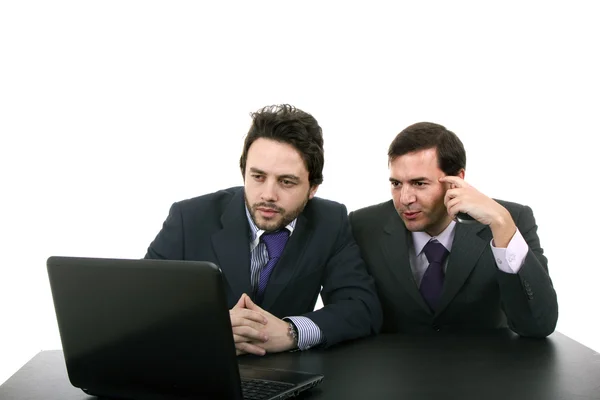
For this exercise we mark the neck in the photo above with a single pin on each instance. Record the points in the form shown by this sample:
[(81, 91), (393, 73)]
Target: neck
[(439, 227)]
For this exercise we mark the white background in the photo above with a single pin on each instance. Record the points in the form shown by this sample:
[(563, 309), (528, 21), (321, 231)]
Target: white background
[(110, 111)]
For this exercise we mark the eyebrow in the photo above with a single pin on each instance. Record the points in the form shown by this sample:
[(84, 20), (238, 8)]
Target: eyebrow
[(420, 179), (285, 176), (289, 177)]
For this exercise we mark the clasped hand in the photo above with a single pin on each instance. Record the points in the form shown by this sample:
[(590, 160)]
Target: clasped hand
[(255, 331)]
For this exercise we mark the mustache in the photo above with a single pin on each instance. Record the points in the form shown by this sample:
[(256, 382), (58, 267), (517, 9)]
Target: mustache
[(409, 209), (270, 206)]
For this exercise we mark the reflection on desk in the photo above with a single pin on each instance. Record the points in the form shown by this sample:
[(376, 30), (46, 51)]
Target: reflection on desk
[(484, 365)]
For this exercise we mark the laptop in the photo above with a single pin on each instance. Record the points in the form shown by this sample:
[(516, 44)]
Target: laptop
[(155, 329)]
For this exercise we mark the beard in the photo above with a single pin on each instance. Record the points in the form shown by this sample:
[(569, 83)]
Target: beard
[(280, 220)]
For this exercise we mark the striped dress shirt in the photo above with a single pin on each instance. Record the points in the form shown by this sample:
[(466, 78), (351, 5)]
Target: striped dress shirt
[(309, 334)]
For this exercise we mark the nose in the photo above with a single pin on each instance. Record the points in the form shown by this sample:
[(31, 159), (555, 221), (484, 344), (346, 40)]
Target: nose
[(269, 193), (407, 195)]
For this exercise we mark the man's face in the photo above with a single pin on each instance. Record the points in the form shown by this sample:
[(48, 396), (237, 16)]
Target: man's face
[(418, 195), (275, 183)]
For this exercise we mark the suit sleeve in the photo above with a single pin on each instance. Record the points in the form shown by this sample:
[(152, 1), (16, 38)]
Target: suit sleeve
[(168, 244), (528, 297), (351, 306)]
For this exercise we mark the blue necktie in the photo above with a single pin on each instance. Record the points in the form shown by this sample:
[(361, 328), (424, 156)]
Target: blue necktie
[(433, 279), (275, 242)]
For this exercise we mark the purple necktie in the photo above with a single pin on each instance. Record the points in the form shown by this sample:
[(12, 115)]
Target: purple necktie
[(433, 279), (275, 242)]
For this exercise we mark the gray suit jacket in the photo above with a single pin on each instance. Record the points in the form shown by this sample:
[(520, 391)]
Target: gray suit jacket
[(476, 294), (320, 253)]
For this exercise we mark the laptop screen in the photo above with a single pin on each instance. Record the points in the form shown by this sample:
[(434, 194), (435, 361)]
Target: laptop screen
[(158, 326)]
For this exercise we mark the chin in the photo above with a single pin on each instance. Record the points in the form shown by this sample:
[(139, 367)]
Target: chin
[(414, 226), (268, 225)]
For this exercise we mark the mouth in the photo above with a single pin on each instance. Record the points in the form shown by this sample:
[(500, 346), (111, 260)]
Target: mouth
[(411, 215), (267, 212)]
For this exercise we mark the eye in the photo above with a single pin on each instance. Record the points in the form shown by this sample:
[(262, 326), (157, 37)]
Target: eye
[(419, 184), (395, 184), (287, 182), (258, 177)]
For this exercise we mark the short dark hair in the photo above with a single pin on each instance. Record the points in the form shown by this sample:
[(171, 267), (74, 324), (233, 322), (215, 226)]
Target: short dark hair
[(288, 124), (427, 135)]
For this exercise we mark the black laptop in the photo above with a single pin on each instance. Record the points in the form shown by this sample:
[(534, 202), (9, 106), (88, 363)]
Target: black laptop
[(155, 329)]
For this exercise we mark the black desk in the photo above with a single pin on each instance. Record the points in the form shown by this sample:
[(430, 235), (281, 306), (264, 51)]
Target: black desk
[(491, 365)]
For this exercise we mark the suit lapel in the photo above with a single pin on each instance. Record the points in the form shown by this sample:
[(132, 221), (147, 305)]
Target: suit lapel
[(395, 245), (232, 245), (470, 240), (289, 264)]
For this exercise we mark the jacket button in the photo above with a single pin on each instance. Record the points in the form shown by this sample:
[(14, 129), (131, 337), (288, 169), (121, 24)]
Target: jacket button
[(436, 327)]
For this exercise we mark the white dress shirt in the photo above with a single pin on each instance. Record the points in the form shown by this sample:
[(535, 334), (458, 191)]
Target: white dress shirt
[(309, 334), (509, 259)]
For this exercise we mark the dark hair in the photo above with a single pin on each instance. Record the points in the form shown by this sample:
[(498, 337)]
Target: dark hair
[(427, 135), (288, 124)]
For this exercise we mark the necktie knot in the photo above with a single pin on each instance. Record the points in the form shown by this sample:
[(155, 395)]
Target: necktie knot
[(435, 252), (275, 242)]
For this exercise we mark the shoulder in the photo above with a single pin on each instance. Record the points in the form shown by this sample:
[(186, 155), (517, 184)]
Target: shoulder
[(322, 210), (216, 201), (516, 210), (376, 214)]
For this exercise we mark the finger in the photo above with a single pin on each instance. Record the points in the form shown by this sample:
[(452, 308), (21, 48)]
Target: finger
[(251, 324), (248, 314), (241, 301), (453, 207), (446, 198), (241, 339), (251, 305), (454, 180), (245, 333), (239, 352), (450, 194), (243, 316), (250, 348), (237, 339), (241, 321)]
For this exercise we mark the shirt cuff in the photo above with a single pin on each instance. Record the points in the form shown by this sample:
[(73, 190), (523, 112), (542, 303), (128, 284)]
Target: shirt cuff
[(309, 334), (511, 258)]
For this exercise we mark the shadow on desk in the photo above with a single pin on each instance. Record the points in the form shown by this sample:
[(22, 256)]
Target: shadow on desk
[(483, 365)]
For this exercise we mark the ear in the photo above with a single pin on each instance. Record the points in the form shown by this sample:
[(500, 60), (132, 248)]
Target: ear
[(461, 174), (313, 191)]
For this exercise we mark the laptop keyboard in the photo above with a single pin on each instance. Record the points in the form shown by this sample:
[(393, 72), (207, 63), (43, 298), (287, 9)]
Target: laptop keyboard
[(257, 389)]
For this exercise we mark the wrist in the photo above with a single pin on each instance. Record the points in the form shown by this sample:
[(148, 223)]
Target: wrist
[(293, 334), (503, 229)]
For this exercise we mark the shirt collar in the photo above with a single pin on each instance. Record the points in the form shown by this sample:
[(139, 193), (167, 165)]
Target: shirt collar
[(420, 239)]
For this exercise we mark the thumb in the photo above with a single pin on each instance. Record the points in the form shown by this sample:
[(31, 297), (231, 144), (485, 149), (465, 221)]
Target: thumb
[(241, 302), (249, 303)]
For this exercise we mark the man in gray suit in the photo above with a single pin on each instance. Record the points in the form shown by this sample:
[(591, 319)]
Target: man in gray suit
[(444, 256), (277, 244)]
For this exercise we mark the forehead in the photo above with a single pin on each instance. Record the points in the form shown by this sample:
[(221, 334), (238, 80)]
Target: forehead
[(417, 164), (277, 158)]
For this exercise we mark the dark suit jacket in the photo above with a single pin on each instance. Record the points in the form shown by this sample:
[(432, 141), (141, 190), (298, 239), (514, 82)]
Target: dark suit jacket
[(476, 294), (320, 252)]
